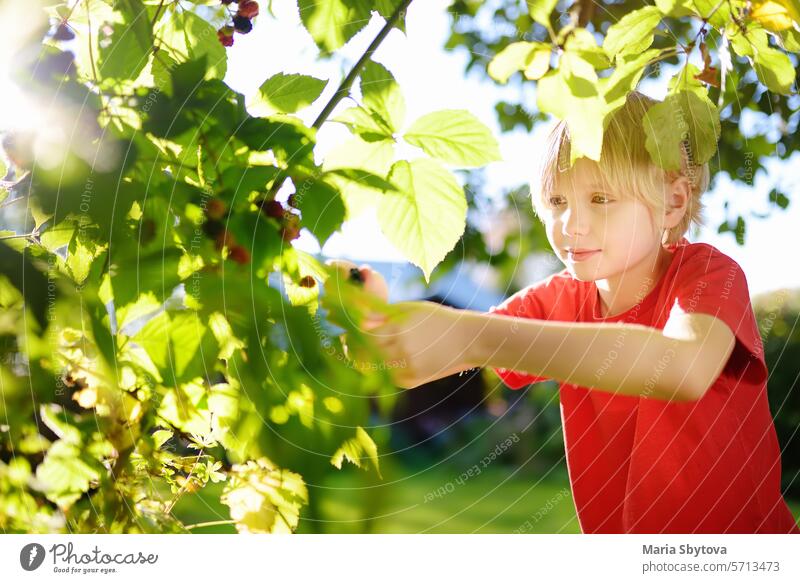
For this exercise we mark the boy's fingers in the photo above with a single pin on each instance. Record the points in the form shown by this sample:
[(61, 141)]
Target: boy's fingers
[(371, 280), (374, 282)]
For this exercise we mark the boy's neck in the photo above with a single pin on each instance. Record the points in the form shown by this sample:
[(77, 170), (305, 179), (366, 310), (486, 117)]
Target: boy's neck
[(621, 292)]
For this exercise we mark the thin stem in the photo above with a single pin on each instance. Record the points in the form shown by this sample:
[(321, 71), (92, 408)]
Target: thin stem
[(347, 82), (157, 14)]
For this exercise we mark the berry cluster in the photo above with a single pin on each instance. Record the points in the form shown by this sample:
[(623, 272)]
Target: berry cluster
[(214, 227), (288, 221), (241, 21)]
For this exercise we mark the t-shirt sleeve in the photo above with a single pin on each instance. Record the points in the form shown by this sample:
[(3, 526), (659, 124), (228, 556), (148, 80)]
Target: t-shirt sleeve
[(523, 304), (712, 283)]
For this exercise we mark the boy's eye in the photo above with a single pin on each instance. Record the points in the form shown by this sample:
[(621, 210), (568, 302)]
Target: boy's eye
[(601, 198)]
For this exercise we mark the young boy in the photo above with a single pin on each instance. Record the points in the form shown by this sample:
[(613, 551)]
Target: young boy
[(662, 379)]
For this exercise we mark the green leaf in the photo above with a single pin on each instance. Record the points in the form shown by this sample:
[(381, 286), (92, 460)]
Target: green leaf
[(540, 10), (681, 116), (374, 157), (365, 123), (774, 69), (574, 102), (583, 43), (454, 136), (364, 178), (531, 57), (125, 53), (287, 93), (332, 23), (387, 7), (382, 94), (675, 8), (156, 273), (357, 450), (264, 498), (66, 473), (633, 33), (426, 218), (322, 210), (625, 77), (179, 345), (778, 198), (685, 81), (24, 276), (187, 37)]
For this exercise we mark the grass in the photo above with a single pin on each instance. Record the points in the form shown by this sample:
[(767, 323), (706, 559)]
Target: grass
[(428, 499), (408, 500)]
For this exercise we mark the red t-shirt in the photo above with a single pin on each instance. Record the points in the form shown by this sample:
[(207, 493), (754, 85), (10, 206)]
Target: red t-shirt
[(645, 465)]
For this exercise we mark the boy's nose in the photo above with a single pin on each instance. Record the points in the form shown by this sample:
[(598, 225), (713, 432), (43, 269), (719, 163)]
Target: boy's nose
[(574, 222)]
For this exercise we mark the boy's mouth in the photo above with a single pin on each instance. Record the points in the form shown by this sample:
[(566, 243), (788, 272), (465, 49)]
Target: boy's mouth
[(581, 255)]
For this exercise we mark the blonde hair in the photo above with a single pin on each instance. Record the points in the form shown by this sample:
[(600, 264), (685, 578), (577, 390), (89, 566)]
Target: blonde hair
[(626, 165)]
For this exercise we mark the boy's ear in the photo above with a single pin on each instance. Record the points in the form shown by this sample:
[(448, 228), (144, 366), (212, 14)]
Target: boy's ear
[(679, 192)]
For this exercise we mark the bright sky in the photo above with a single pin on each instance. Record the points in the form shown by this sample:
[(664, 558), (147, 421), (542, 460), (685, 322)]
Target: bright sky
[(434, 79)]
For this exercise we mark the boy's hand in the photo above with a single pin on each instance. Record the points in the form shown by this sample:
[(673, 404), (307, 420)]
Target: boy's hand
[(370, 280), (422, 341)]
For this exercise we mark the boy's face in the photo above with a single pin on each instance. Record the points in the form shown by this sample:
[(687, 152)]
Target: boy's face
[(584, 214)]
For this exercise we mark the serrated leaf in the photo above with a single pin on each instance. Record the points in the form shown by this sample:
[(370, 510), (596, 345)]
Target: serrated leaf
[(774, 15), (531, 57), (264, 498), (582, 43), (322, 209), (683, 115), (774, 69), (363, 178), (382, 94), (387, 7), (540, 10), (427, 216), (124, 54), (287, 93), (188, 37), (584, 114), (356, 450), (331, 23), (625, 77), (676, 8), (454, 136), (633, 33), (369, 125), (374, 157), (66, 473)]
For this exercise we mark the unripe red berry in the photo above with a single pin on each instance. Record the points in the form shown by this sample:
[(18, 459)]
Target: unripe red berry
[(239, 254), (225, 36), (215, 209), (248, 8), (290, 233), (224, 239)]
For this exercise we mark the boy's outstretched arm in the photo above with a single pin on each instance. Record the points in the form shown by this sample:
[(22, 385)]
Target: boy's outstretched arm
[(678, 363)]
